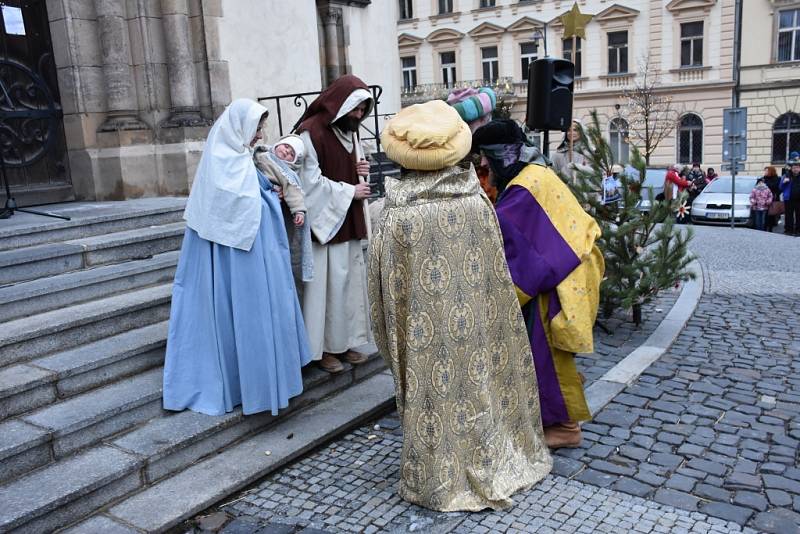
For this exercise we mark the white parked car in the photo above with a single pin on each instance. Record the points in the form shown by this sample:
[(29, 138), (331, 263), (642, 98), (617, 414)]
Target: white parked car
[(713, 204)]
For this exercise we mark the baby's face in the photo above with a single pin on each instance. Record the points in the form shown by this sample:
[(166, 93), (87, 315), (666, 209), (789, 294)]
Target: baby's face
[(284, 152)]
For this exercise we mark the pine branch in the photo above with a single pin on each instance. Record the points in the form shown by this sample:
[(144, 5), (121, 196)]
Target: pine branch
[(644, 251)]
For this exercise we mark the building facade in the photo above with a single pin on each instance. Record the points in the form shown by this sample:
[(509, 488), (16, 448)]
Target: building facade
[(687, 44), (112, 99), (770, 81)]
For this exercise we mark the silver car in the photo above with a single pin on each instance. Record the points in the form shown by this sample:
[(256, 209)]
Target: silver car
[(713, 204), (653, 185)]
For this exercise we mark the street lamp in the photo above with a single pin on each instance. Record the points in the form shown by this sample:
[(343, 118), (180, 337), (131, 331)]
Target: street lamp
[(541, 35)]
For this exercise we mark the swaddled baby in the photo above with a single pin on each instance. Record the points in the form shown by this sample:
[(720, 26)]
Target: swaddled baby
[(280, 163)]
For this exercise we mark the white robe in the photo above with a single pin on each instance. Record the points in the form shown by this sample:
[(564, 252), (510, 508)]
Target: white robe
[(335, 302)]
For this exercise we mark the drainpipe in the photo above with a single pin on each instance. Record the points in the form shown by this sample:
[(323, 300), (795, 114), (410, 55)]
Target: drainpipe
[(737, 53)]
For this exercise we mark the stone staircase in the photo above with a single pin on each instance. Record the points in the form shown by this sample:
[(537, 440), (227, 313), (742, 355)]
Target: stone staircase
[(84, 307)]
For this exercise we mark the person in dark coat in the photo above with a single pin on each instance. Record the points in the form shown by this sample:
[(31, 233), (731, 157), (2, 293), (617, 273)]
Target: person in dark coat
[(773, 181), (790, 188)]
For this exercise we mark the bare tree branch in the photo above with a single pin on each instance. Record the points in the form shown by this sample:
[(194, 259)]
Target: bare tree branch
[(650, 112)]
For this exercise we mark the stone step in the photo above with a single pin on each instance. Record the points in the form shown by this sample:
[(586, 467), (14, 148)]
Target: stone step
[(38, 261), (170, 441), (28, 338), (27, 386), (69, 490), (49, 293), (88, 418), (56, 431), (88, 219), (173, 442), (178, 497)]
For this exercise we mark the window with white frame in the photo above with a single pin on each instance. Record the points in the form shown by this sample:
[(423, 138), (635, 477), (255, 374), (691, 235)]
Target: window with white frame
[(409, 72), (789, 35), (785, 137), (618, 139), (692, 44), (448, 61), (528, 53), (487, 3), (618, 52), (690, 139), (578, 55), (445, 6), (491, 65), (406, 9)]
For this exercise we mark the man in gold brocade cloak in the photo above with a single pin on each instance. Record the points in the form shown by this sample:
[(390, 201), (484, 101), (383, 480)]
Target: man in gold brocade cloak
[(446, 319)]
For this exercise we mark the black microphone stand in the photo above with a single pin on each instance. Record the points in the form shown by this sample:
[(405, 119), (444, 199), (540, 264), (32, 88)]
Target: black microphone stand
[(11, 204)]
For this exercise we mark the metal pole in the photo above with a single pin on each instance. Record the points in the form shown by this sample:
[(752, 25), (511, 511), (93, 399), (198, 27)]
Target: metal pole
[(737, 58), (733, 191), (546, 143), (737, 53), (545, 39)]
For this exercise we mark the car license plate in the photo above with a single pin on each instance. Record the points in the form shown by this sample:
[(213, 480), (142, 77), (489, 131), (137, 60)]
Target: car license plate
[(723, 215)]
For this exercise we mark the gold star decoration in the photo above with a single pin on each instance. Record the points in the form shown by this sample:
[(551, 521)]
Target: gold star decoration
[(575, 22)]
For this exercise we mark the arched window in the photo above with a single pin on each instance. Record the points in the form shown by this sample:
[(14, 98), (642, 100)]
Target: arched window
[(785, 137), (690, 139), (618, 139)]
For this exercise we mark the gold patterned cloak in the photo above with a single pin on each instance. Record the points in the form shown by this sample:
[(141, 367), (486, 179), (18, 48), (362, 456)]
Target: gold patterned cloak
[(446, 319)]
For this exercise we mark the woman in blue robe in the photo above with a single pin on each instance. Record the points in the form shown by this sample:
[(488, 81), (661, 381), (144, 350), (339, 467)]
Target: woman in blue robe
[(236, 333)]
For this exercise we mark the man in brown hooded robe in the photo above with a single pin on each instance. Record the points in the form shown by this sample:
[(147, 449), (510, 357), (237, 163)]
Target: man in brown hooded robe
[(335, 305)]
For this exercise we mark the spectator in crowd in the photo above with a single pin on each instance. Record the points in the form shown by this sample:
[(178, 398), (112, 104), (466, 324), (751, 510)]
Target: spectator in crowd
[(711, 175), (790, 188), (773, 182), (760, 200), (698, 179), (675, 182)]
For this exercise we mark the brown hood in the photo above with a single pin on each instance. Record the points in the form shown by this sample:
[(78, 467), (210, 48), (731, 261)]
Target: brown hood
[(325, 107)]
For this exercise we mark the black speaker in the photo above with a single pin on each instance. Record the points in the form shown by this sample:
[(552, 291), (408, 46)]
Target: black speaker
[(550, 85)]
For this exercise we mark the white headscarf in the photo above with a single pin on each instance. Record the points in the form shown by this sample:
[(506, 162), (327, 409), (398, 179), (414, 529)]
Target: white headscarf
[(224, 205), (351, 102)]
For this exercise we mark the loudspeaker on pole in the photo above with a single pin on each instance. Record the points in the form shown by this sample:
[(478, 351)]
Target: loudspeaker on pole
[(550, 85)]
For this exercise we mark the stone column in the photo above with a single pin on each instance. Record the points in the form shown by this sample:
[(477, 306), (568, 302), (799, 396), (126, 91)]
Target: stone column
[(185, 109), (331, 21), (116, 51)]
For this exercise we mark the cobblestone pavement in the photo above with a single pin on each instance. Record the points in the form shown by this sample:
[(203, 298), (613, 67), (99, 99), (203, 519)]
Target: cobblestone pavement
[(714, 425), (622, 336), (350, 486), (706, 440)]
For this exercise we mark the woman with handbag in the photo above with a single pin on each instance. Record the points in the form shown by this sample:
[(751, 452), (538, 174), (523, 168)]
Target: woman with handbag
[(773, 181)]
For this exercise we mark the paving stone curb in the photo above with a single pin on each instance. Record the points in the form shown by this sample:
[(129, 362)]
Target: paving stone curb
[(616, 379)]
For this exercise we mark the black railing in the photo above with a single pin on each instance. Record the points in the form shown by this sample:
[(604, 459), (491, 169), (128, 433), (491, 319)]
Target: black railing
[(298, 104), (301, 102)]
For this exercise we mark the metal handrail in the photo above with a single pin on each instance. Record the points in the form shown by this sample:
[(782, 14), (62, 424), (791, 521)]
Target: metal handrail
[(300, 100)]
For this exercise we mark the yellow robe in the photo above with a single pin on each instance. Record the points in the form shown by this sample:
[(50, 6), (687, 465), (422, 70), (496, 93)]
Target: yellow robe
[(571, 330)]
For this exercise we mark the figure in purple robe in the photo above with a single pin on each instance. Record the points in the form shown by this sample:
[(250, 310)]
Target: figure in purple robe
[(550, 248)]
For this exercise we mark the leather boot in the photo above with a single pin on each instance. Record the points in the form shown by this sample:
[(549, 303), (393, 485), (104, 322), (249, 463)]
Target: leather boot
[(563, 435), (330, 363), (355, 358)]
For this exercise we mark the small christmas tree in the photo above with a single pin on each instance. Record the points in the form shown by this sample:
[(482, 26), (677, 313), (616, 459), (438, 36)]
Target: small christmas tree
[(644, 251)]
